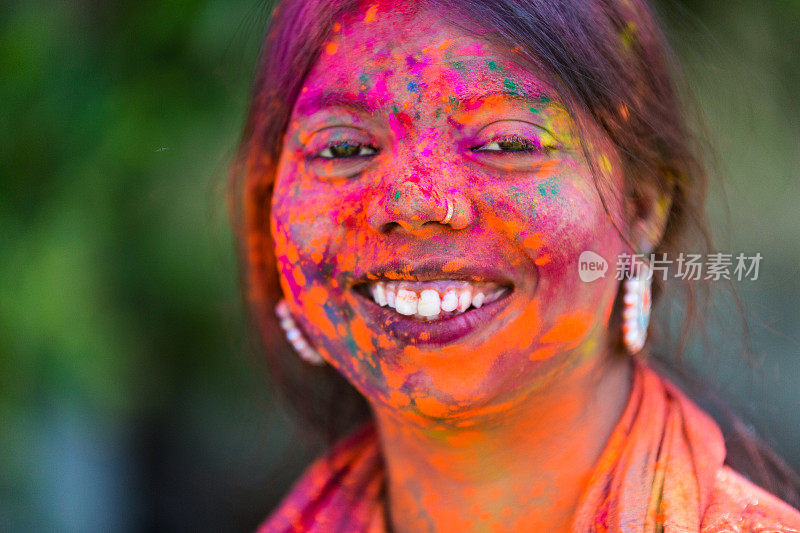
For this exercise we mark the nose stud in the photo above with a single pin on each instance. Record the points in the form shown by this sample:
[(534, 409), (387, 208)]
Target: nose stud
[(449, 216)]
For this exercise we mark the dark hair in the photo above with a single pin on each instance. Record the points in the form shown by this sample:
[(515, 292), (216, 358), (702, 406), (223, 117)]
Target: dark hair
[(606, 57)]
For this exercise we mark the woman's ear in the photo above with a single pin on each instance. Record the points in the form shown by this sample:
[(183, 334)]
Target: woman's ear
[(648, 213)]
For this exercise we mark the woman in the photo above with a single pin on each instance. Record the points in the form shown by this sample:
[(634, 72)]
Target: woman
[(421, 182)]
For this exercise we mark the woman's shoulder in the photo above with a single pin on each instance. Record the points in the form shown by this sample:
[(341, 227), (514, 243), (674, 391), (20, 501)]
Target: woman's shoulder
[(738, 505), (340, 491)]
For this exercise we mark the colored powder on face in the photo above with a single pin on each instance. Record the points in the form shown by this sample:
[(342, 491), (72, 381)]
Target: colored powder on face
[(413, 87), (510, 85), (493, 65), (371, 12), (549, 188)]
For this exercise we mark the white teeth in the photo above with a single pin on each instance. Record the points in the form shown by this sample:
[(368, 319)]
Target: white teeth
[(464, 299), (406, 303), (391, 297), (380, 295), (450, 300), (429, 303), (477, 300), (427, 300)]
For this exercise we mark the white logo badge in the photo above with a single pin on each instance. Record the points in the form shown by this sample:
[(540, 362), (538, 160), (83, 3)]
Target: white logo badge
[(591, 266)]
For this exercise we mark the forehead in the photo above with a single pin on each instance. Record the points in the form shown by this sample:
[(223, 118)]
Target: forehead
[(384, 56)]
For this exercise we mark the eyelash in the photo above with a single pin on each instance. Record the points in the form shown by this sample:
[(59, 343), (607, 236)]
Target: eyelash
[(529, 145), (338, 143), (529, 148)]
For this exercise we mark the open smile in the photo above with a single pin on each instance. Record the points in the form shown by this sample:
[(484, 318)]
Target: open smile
[(433, 312)]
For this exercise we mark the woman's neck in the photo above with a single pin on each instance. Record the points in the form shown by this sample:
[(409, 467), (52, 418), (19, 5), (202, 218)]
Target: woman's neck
[(524, 470)]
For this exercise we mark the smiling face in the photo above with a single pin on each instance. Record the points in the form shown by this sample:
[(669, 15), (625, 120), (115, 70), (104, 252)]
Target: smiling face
[(403, 119)]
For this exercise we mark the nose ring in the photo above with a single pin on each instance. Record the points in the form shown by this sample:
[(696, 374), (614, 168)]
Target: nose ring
[(449, 216)]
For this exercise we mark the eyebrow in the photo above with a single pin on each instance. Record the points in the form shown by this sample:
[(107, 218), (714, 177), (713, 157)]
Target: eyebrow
[(317, 102)]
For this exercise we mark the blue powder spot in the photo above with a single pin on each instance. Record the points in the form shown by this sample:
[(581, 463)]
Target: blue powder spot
[(549, 188), (413, 87)]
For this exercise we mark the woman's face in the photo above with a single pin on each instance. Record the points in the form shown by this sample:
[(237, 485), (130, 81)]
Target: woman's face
[(400, 112)]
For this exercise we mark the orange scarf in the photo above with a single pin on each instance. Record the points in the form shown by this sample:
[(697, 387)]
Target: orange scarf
[(661, 470)]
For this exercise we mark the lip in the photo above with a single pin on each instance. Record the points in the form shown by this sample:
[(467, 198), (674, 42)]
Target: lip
[(430, 270), (434, 333)]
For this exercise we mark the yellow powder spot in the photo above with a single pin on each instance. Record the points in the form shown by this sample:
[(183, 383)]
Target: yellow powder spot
[(331, 47), (605, 164), (371, 12)]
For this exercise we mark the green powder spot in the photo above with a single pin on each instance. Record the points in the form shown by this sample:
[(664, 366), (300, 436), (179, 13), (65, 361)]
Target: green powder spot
[(534, 110), (452, 100), (459, 65), (544, 99), (493, 65), (364, 79), (549, 188), (510, 85), (352, 345), (396, 195)]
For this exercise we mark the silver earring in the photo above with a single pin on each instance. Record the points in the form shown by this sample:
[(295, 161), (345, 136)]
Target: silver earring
[(636, 311), (295, 336)]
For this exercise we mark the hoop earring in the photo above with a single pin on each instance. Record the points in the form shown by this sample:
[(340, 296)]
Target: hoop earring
[(636, 311), (295, 336)]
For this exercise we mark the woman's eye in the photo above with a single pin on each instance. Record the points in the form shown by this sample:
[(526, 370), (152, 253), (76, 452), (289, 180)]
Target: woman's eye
[(346, 149), (517, 144)]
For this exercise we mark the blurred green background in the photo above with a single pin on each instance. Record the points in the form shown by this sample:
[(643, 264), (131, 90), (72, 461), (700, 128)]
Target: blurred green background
[(129, 397)]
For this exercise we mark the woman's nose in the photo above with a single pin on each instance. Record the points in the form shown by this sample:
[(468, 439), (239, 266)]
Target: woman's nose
[(411, 204)]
